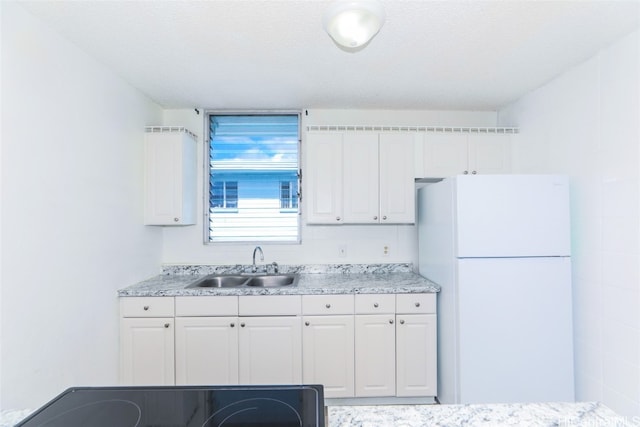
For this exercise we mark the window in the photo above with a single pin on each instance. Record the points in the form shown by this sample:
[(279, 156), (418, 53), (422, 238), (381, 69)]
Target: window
[(289, 195), (224, 194), (253, 181)]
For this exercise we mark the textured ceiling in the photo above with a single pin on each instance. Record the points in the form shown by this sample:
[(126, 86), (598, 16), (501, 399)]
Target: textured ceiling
[(240, 54)]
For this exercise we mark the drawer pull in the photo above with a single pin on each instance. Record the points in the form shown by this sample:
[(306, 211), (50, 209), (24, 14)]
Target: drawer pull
[(166, 325), (145, 308), (306, 323), (402, 322), (328, 305), (417, 304), (391, 321), (375, 304), (233, 325)]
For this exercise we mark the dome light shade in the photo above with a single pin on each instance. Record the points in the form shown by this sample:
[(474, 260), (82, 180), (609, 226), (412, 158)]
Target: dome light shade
[(353, 23)]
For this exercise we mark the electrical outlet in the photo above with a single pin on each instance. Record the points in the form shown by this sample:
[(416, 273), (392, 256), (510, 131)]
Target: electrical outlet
[(385, 250), (342, 251)]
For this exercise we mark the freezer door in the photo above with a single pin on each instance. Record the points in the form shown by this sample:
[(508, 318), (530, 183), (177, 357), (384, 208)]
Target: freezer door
[(512, 215), (515, 330)]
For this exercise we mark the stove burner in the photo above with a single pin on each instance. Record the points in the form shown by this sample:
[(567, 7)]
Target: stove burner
[(252, 409), (216, 406)]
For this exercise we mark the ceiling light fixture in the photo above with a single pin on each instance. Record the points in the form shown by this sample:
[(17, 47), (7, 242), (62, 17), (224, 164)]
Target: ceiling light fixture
[(352, 24)]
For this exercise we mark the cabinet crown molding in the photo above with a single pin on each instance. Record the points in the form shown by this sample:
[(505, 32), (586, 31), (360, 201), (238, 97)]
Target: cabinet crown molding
[(433, 129), (170, 129)]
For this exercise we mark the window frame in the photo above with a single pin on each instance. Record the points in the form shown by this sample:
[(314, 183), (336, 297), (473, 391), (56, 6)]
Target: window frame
[(206, 176)]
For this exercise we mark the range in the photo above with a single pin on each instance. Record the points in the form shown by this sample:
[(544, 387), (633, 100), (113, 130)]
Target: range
[(191, 406)]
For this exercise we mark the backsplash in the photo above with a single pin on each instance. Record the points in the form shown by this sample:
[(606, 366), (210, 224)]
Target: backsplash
[(306, 269)]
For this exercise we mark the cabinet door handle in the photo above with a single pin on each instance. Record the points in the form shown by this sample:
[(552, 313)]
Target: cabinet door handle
[(466, 172), (242, 325), (337, 218), (328, 305), (384, 217), (375, 218), (166, 325), (176, 219), (375, 304), (306, 323), (233, 325), (402, 322), (391, 321), (473, 173), (145, 308), (417, 304)]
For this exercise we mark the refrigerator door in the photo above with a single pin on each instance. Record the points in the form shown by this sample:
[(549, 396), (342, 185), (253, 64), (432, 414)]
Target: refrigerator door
[(512, 215), (515, 330)]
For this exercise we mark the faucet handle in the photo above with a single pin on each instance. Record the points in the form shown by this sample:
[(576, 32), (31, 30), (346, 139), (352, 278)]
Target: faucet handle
[(275, 267)]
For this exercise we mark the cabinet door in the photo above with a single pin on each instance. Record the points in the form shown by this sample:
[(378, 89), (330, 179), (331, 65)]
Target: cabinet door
[(323, 178), (489, 154), (206, 350), (270, 350), (147, 351), (360, 178), (445, 154), (416, 355), (375, 355), (397, 186), (170, 179), (328, 354)]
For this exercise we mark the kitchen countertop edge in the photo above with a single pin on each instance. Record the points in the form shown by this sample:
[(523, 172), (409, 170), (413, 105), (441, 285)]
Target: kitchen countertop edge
[(393, 280)]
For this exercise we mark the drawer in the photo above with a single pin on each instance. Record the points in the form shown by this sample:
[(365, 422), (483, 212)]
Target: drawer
[(269, 305), (146, 307), (415, 303), (375, 303), (327, 304), (196, 306)]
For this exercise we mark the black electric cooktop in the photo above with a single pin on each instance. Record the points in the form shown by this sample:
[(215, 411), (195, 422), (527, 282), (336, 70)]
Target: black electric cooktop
[(228, 406)]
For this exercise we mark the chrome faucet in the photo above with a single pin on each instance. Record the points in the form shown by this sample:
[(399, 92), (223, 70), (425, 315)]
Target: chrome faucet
[(258, 248)]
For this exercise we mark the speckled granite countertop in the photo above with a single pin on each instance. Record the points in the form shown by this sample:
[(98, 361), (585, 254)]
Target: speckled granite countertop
[(314, 279), (530, 415), (587, 414)]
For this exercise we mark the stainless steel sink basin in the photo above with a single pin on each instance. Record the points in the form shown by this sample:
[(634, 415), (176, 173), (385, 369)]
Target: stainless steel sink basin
[(274, 280), (222, 281), (237, 280)]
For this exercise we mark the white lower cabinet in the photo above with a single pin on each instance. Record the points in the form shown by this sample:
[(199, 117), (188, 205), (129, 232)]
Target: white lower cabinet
[(328, 343), (416, 355), (147, 341), (364, 345), (375, 345), (206, 350), (416, 345), (214, 345), (375, 355), (270, 350)]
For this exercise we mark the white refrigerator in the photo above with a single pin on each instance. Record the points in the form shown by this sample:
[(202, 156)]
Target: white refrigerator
[(499, 247)]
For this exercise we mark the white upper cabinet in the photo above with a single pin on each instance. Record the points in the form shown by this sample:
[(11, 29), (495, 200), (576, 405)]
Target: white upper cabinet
[(447, 154), (170, 177), (322, 178), (397, 186), (359, 178)]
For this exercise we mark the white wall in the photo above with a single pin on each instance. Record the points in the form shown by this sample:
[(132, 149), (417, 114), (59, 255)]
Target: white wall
[(184, 245), (586, 124), (71, 221)]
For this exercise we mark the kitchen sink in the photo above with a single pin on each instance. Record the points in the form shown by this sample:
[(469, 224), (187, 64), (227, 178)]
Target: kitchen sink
[(238, 280), (222, 281), (275, 280)]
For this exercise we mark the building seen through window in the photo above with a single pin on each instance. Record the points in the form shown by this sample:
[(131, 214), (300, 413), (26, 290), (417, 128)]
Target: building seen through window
[(253, 178)]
